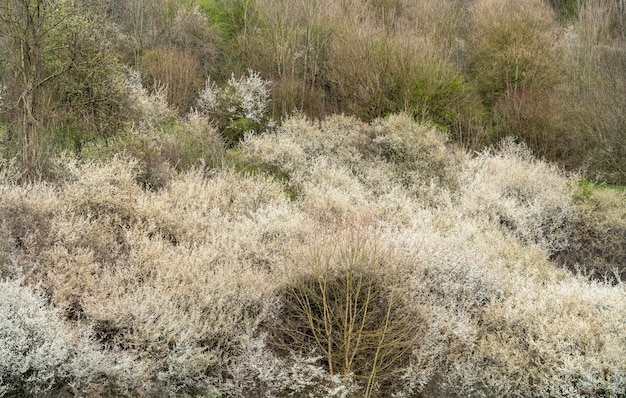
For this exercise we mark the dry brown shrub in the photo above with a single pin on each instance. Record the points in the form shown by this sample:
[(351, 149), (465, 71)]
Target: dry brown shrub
[(594, 96), (178, 71), (290, 46)]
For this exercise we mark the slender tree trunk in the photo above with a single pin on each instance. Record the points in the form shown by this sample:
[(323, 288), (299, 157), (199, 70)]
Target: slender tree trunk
[(30, 53), (30, 152)]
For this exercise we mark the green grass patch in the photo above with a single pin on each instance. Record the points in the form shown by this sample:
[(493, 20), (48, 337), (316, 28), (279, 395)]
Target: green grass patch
[(612, 186), (254, 167), (586, 189)]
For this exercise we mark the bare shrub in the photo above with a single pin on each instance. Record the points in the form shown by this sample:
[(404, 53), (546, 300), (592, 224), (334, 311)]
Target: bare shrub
[(290, 44), (176, 70), (345, 303), (192, 32), (594, 96)]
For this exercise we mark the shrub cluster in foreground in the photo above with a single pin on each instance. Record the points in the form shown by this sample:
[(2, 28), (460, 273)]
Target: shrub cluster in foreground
[(327, 258)]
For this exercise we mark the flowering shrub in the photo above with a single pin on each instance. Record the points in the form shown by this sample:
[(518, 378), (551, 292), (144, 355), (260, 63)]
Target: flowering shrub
[(239, 107), (40, 355), (2, 90), (527, 197), (152, 109), (33, 343), (220, 284)]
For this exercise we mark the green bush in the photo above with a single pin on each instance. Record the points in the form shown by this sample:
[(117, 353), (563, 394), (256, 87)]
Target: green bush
[(516, 66), (512, 47), (440, 93), (566, 9)]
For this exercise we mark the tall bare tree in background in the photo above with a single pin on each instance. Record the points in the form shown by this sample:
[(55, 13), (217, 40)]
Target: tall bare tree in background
[(60, 74), (28, 29)]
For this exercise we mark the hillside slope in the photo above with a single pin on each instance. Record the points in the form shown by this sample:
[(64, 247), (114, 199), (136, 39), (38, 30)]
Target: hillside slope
[(325, 258)]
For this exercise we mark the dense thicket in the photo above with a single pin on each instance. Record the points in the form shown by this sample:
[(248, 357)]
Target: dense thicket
[(550, 73), (323, 259), (312, 198)]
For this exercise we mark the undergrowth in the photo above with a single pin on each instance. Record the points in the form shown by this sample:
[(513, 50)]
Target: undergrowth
[(400, 266)]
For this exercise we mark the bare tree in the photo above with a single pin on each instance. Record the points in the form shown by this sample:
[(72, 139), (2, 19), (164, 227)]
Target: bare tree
[(60, 73), (28, 29)]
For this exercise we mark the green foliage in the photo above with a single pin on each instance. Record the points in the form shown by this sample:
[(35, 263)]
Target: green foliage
[(613, 186), (235, 130), (231, 21), (249, 165), (441, 94), (584, 191), (231, 17), (512, 47), (70, 139), (566, 9), (71, 80)]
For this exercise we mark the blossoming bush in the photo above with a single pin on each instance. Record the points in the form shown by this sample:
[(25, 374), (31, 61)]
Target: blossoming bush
[(527, 197), (220, 282), (41, 356), (240, 106)]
